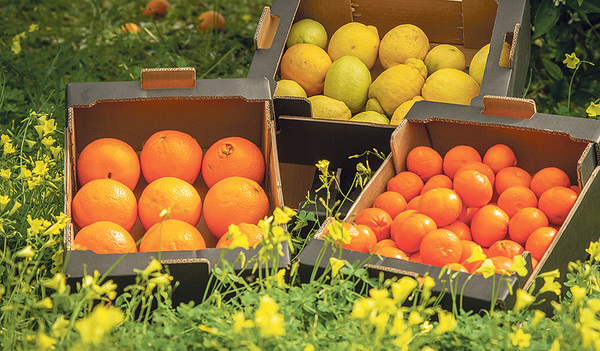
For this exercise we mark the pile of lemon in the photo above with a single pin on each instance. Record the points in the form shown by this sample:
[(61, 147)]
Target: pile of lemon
[(335, 73)]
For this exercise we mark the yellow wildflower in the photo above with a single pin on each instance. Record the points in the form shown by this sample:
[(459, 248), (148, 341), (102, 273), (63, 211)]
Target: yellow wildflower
[(577, 293), (518, 266), (58, 282), (100, 321), (555, 345), (153, 266), (524, 299), (398, 325), (594, 109), (487, 268), (280, 277), (403, 288), (308, 347), (9, 148), (415, 318), (16, 43), (594, 248), (571, 61), (25, 173), (336, 265), (48, 141), (550, 285), (207, 329), (45, 126), (379, 321), (267, 319), (4, 139), (338, 233), (238, 239), (4, 200), (476, 255), (5, 173), (15, 208), (26, 252), (323, 166), (240, 322), (537, 317), (46, 303), (40, 168), (447, 322), (56, 151), (45, 342), (283, 216), (60, 328), (162, 280), (362, 308), (37, 225), (520, 339)]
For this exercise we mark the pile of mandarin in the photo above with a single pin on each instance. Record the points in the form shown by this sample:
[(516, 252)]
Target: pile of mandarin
[(105, 208), (442, 207)]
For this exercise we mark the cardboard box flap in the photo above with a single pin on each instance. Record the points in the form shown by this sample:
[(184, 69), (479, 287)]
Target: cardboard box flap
[(266, 29), (168, 78), (86, 94)]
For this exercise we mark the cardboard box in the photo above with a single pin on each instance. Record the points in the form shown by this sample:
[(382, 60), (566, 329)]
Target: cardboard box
[(538, 140), (208, 110)]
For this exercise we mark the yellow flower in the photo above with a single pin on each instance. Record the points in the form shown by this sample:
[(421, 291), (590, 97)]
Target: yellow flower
[(100, 321), (309, 347), (280, 278), (240, 322), (403, 339), (379, 321), (62, 220), (487, 268), (476, 255), (383, 303), (520, 339), (45, 342), (403, 288), (45, 126), (33, 182), (162, 281), (398, 325), (238, 239), (9, 148), (60, 328), (537, 317), (4, 139), (323, 166), (578, 293), (25, 173), (57, 282), (48, 141), (153, 266), (336, 265), (415, 318), (283, 216), (56, 150), (594, 109), (5, 173), (26, 252), (447, 322), (594, 248), (518, 266), (36, 226), (362, 308), (30, 143), (46, 303), (4, 200), (267, 319), (550, 285), (555, 345), (40, 168), (15, 208), (338, 233), (524, 299), (571, 61), (207, 329)]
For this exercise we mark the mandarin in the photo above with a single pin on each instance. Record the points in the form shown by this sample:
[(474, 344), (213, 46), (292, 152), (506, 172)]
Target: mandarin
[(467, 213), (547, 178), (104, 200), (507, 248), (511, 176), (489, 225), (414, 203), (392, 252), (104, 237), (377, 219), (440, 247), (556, 203), (437, 181), (457, 156), (467, 249), (456, 267), (502, 264), (209, 21), (362, 238), (172, 235), (386, 242), (524, 222), (516, 198), (461, 229), (408, 230), (407, 183), (441, 204), (479, 167), (499, 156), (156, 8), (233, 156), (251, 231), (473, 187), (416, 257), (391, 202), (539, 241), (424, 161)]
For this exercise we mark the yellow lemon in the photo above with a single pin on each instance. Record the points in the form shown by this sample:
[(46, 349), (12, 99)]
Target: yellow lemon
[(373, 105), (370, 116), (396, 85), (445, 56), (287, 87), (402, 42), (355, 39), (403, 109), (307, 31), (348, 80), (307, 64), (451, 86), (477, 65), (328, 108), (417, 64)]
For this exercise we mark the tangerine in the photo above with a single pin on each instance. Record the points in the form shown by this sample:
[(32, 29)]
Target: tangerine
[(210, 20), (539, 241), (455, 266), (391, 202), (467, 249), (437, 181), (386, 242), (507, 248), (511, 176), (461, 229), (362, 238), (524, 222), (377, 219), (441, 204), (409, 229), (414, 203), (473, 187), (104, 237), (440, 247), (516, 198), (556, 203), (393, 252), (424, 161), (172, 235), (489, 225), (479, 167), (547, 178), (407, 183), (457, 156), (156, 8), (499, 156)]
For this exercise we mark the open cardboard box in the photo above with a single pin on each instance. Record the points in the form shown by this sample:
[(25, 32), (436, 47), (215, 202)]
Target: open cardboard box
[(467, 24), (538, 140), (208, 110)]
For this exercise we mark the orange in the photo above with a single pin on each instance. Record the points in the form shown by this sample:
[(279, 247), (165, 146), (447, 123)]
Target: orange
[(440, 247), (233, 156), (362, 238), (250, 231), (507, 248), (547, 178), (210, 20), (499, 156), (414, 203), (408, 230), (401, 217), (104, 237), (234, 200), (511, 176), (461, 230), (407, 183), (467, 249), (474, 188), (424, 161), (377, 219), (534, 263), (515, 198), (307, 64), (386, 242), (489, 225), (456, 267), (457, 156), (502, 264), (441, 204), (177, 196), (479, 167), (171, 153), (156, 8), (104, 200), (467, 213), (539, 241), (576, 189), (556, 203), (393, 252), (130, 27), (172, 235), (391, 202), (416, 257), (108, 158), (524, 222), (437, 181)]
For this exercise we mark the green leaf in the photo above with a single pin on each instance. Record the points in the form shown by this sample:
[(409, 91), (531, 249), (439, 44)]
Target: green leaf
[(553, 69), (584, 7), (546, 17)]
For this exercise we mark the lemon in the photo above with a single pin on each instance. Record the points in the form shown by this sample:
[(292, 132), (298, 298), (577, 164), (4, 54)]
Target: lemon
[(287, 87), (445, 56), (373, 105), (307, 31), (402, 42), (348, 80), (396, 85), (328, 108), (477, 65), (417, 64), (307, 64), (451, 86), (403, 109), (370, 116), (355, 39)]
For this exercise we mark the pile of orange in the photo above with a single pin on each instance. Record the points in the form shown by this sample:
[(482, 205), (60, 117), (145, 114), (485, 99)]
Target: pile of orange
[(170, 208), (442, 207)]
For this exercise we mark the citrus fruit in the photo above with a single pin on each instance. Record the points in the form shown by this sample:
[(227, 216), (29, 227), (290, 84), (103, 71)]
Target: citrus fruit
[(511, 176), (394, 86), (506, 248), (441, 204), (373, 105), (233, 156), (413, 204), (156, 8), (556, 203), (172, 235), (392, 252), (456, 267), (478, 62), (474, 188), (417, 64), (328, 108), (108, 158), (445, 56), (251, 231), (408, 230), (385, 243), (437, 181), (178, 197), (362, 238), (355, 39), (467, 213), (415, 257), (424, 161), (377, 219), (348, 80), (479, 167), (467, 249), (524, 222), (209, 21), (539, 241), (502, 264), (499, 156), (371, 117), (406, 183), (547, 178), (104, 200), (130, 27), (391, 202), (401, 111), (440, 247), (171, 153), (104, 237), (457, 156), (306, 64), (461, 229), (402, 42), (288, 87), (451, 86), (234, 200), (516, 198), (307, 31), (489, 224)]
